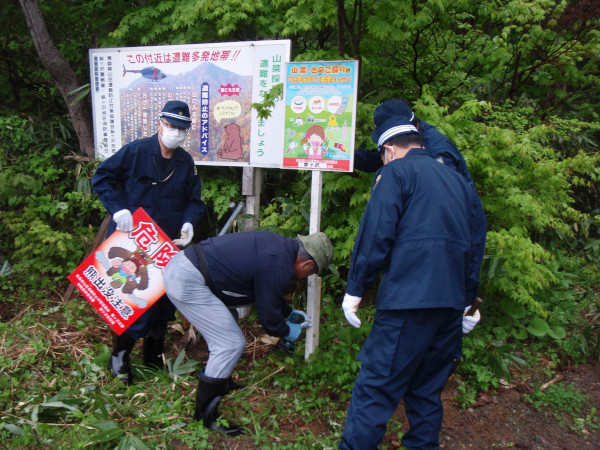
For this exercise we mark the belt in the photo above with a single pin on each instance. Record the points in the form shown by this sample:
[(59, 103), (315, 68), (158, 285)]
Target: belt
[(203, 266)]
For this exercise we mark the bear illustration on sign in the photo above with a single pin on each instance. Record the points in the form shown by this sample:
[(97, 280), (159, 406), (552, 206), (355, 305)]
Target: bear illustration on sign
[(127, 270), (232, 148)]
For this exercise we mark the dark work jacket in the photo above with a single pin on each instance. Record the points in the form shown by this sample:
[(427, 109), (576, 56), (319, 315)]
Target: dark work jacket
[(131, 178), (424, 229), (436, 143), (252, 267)]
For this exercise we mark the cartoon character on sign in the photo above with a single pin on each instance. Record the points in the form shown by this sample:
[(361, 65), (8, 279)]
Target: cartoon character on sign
[(127, 270), (232, 149), (315, 138)]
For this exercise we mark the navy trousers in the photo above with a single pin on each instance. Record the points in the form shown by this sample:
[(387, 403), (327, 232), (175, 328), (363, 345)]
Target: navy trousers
[(408, 355), (155, 319)]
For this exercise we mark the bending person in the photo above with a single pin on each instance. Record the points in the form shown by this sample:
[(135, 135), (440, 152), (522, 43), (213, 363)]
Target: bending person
[(208, 280)]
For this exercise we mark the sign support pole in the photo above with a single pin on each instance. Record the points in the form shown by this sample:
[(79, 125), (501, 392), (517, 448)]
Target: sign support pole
[(252, 178), (313, 294)]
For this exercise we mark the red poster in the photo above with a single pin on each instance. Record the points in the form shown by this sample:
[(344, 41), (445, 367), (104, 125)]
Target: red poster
[(123, 277)]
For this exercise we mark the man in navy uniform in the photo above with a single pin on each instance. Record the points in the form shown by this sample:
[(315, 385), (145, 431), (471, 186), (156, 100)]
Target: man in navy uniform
[(157, 174), (437, 144), (424, 229), (209, 279)]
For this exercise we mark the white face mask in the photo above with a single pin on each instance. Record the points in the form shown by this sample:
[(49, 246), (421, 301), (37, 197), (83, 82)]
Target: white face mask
[(385, 154), (172, 137)]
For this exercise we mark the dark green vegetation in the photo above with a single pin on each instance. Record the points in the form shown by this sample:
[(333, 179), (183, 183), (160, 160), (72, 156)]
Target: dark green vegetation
[(514, 84)]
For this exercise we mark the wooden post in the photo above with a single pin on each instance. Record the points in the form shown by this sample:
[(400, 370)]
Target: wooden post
[(251, 187), (313, 294), (252, 179)]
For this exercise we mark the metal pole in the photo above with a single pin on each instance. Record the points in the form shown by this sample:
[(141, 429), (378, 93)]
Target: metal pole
[(236, 212), (313, 294)]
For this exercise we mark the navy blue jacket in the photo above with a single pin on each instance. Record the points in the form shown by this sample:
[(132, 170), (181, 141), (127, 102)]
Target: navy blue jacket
[(252, 267), (424, 228), (135, 177), (436, 143)]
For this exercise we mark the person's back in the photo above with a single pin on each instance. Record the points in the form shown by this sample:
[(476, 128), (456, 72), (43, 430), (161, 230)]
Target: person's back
[(429, 259), (436, 143), (251, 267), (236, 261), (424, 229)]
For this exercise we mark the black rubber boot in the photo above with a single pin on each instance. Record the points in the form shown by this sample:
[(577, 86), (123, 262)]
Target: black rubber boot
[(209, 394), (154, 343), (119, 358), (232, 386)]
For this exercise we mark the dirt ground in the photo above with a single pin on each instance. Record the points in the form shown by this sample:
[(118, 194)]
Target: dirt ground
[(497, 420), (505, 420)]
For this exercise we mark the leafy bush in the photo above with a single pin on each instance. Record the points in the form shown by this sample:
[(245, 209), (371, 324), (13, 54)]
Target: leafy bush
[(47, 207)]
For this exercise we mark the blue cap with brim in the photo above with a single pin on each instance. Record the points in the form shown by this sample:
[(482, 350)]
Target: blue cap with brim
[(391, 108), (392, 127), (177, 113)]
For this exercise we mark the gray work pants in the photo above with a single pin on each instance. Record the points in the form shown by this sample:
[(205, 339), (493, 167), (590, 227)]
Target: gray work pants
[(187, 290)]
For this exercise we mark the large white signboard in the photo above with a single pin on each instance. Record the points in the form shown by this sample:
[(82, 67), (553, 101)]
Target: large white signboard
[(218, 81)]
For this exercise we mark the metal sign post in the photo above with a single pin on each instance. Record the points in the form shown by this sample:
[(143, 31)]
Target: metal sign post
[(313, 294)]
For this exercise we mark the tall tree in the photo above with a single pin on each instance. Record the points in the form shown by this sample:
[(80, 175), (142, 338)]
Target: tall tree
[(63, 76)]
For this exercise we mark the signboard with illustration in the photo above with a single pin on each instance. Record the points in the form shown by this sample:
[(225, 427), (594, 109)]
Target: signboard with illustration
[(320, 115), (122, 278), (218, 81)]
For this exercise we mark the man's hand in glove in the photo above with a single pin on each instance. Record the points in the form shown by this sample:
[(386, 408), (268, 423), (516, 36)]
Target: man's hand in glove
[(469, 322), (124, 220), (187, 233), (300, 317), (350, 307)]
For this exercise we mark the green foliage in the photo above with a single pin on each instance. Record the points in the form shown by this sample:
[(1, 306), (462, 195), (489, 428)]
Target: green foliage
[(289, 210), (46, 207), (333, 366), (177, 22), (48, 381), (526, 177), (180, 366), (270, 98), (219, 193), (513, 84), (221, 188), (74, 27), (484, 362), (561, 400)]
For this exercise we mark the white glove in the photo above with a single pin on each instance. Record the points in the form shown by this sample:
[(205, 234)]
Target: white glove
[(187, 233), (350, 307), (469, 322), (124, 220)]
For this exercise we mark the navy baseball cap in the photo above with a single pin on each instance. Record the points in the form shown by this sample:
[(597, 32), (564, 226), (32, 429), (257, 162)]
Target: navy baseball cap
[(390, 108), (392, 127), (177, 114)]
